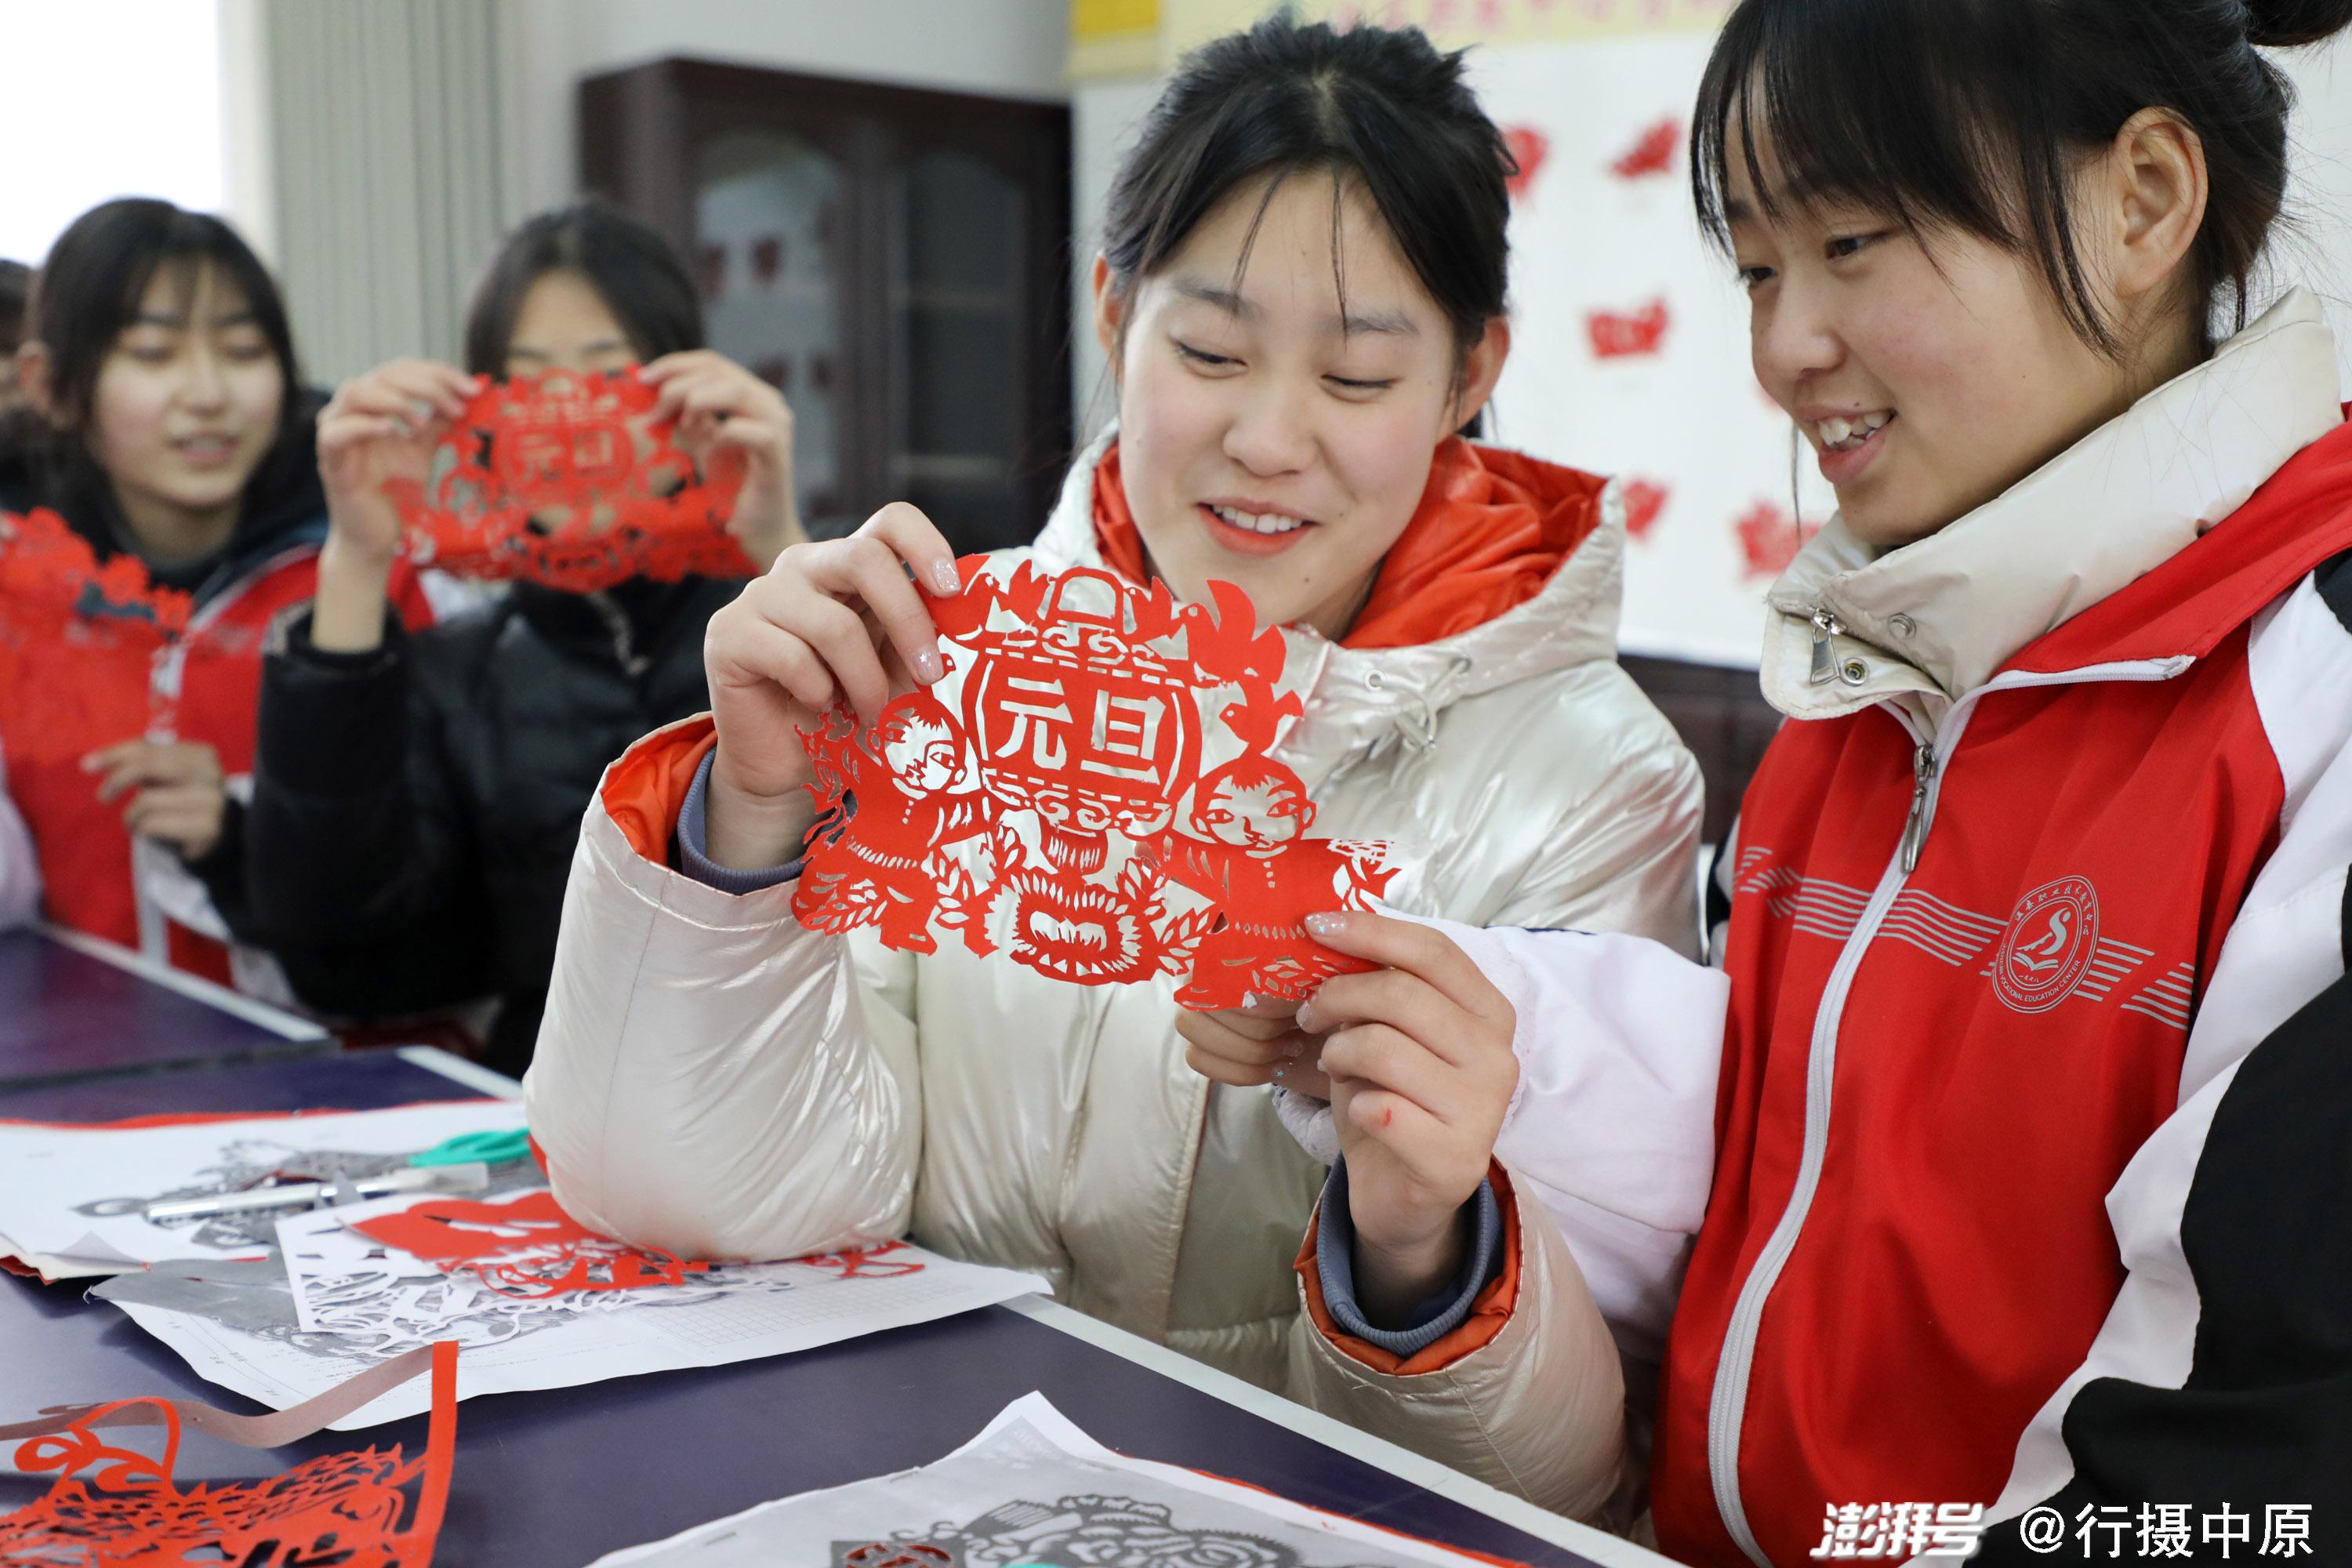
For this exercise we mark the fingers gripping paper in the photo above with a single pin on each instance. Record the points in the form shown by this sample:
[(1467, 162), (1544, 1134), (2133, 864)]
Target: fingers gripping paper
[(80, 642), (1050, 802), (567, 479)]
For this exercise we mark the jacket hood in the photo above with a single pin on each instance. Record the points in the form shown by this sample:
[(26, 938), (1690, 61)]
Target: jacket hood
[(1511, 568), (284, 504), (1941, 617)]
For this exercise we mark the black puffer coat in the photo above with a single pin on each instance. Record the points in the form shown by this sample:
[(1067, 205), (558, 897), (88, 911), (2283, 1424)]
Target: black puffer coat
[(415, 808)]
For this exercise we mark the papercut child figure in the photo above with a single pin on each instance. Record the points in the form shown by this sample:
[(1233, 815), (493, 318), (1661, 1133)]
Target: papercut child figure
[(1252, 857), (886, 813)]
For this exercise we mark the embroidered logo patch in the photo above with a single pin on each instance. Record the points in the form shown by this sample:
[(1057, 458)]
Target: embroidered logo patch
[(2047, 946)]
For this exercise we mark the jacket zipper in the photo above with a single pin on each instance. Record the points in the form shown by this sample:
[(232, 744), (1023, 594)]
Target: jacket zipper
[(1727, 1402), (1826, 626)]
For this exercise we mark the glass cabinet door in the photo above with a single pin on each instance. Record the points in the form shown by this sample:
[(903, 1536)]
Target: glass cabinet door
[(770, 235), (956, 361)]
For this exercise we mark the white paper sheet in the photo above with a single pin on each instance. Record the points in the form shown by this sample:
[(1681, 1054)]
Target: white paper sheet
[(796, 1307), (1033, 1488), (71, 1197)]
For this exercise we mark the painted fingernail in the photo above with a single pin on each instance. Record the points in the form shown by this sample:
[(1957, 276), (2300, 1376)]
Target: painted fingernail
[(1306, 1016), (1324, 925), (945, 578), (927, 667)]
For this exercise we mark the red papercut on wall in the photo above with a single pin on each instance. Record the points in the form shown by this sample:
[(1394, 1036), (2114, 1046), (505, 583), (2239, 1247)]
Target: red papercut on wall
[(1527, 147), (1624, 334), (567, 479), (525, 1246), (1045, 806), (111, 1506), (1770, 539), (1652, 154), (78, 642), (1645, 501)]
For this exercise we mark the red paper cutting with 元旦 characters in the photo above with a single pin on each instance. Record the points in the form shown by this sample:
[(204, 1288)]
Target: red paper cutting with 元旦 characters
[(566, 478), (80, 642), (1045, 807), (113, 1507)]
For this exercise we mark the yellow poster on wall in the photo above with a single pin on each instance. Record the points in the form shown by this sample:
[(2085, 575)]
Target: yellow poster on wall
[(1114, 37)]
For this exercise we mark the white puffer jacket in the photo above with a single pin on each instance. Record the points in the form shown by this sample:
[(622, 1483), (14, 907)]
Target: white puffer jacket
[(714, 1078)]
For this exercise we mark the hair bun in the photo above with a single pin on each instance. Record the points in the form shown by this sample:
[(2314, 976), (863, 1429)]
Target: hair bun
[(2283, 23)]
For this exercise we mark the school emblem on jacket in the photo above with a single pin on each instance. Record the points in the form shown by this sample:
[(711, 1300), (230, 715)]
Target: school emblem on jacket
[(1060, 811), (2048, 945)]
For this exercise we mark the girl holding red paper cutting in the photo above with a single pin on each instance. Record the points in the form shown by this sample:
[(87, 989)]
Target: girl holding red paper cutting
[(1999, 1161), (415, 796), (170, 432), (1302, 295)]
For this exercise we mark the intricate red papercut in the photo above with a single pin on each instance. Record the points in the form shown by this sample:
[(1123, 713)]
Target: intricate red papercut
[(1627, 334), (525, 1246), (566, 478), (78, 642), (1078, 719), (113, 1506), (1770, 539), (858, 1262), (1527, 147), (1652, 154), (1645, 500)]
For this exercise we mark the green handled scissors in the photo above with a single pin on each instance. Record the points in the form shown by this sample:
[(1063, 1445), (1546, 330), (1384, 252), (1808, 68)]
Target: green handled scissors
[(487, 1147)]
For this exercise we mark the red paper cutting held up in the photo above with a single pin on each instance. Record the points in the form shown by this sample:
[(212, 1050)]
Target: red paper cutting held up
[(1044, 801), (565, 478), (374, 1507), (78, 642)]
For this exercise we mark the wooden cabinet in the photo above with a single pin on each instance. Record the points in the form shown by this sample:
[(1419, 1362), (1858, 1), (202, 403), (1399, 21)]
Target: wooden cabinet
[(897, 261)]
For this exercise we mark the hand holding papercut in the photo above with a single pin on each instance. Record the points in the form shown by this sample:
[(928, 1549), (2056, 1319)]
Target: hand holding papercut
[(726, 415), (383, 426), (834, 620), (1419, 1056)]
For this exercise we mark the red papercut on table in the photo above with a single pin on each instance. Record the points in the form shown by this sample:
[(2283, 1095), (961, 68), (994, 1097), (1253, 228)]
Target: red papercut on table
[(1769, 539), (1626, 334), (1527, 147), (1645, 500), (115, 1506), (1653, 153), (526, 1247), (566, 478), (859, 1262), (1079, 723), (80, 642)]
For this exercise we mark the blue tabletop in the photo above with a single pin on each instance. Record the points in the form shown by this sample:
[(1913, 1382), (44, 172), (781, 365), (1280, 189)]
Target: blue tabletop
[(65, 1015), (554, 1478)]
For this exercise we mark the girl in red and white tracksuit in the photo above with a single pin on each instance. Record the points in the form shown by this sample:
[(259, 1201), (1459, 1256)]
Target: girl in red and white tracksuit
[(1999, 1159), (168, 426)]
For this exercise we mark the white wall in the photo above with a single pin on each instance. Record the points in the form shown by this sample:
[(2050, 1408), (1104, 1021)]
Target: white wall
[(1105, 118), (1007, 48)]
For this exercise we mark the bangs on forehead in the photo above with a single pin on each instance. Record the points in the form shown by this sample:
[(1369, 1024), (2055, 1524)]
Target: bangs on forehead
[(1933, 112)]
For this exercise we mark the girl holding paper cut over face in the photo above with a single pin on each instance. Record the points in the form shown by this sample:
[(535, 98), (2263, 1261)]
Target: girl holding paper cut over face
[(1301, 291), (167, 426), (2009, 1125), (417, 797)]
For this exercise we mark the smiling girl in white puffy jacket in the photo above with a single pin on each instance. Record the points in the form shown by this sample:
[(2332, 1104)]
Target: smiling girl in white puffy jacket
[(713, 1078)]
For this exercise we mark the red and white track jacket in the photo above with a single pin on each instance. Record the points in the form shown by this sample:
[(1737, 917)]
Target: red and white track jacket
[(2058, 840)]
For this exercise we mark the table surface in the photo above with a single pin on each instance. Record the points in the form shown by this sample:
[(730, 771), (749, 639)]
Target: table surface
[(66, 1013), (559, 1476)]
